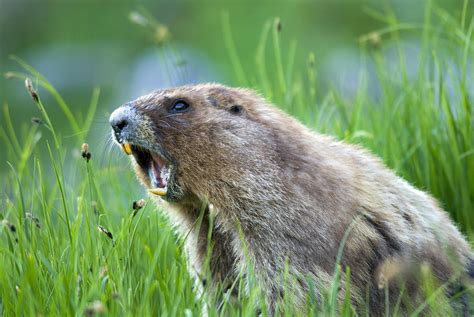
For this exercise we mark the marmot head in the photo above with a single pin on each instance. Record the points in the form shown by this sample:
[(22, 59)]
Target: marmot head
[(189, 142)]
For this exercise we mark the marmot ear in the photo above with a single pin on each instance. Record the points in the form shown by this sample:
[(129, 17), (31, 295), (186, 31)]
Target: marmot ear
[(213, 101), (236, 109)]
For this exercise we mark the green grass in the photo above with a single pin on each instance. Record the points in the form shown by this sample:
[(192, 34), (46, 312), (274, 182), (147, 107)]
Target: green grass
[(55, 261)]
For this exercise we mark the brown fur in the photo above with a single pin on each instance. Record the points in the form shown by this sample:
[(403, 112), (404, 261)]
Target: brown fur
[(284, 193)]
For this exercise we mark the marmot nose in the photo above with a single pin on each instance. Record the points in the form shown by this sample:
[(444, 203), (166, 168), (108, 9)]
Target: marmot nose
[(118, 120), (119, 125)]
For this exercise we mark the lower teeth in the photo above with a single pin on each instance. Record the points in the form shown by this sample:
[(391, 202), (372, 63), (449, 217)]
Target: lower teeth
[(158, 191)]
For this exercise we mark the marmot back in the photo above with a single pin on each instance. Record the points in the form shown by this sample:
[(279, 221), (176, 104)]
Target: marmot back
[(280, 193)]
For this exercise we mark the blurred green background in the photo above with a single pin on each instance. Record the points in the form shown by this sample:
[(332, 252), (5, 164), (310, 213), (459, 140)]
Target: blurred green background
[(396, 77), (114, 45)]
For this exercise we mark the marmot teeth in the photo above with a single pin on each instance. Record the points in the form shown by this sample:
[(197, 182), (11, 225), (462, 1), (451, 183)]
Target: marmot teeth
[(127, 148), (158, 191)]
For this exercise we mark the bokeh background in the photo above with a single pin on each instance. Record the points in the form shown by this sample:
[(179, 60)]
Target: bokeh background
[(128, 48), (396, 77)]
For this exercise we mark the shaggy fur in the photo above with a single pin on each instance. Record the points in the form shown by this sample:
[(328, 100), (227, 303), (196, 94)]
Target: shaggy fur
[(280, 192)]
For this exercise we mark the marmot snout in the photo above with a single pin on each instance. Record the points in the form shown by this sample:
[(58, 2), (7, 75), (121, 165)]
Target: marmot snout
[(287, 193)]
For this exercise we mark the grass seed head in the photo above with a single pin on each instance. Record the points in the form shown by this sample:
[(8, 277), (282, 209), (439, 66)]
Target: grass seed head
[(374, 39), (95, 308), (138, 18), (78, 285), (9, 225), (31, 90), (278, 25), (103, 272), (162, 34), (30, 216), (85, 152), (106, 232), (138, 204), (94, 207), (37, 121)]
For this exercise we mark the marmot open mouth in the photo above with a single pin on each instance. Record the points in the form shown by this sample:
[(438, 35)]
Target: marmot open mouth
[(154, 165)]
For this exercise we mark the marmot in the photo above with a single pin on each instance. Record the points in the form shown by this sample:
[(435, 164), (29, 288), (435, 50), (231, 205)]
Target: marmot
[(283, 198)]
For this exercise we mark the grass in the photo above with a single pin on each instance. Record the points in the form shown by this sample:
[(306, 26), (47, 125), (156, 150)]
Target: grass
[(71, 242)]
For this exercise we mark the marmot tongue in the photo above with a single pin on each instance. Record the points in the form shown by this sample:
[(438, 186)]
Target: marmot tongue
[(155, 176)]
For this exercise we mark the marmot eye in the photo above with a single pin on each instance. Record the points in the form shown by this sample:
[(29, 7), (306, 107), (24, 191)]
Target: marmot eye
[(179, 106), (236, 109)]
